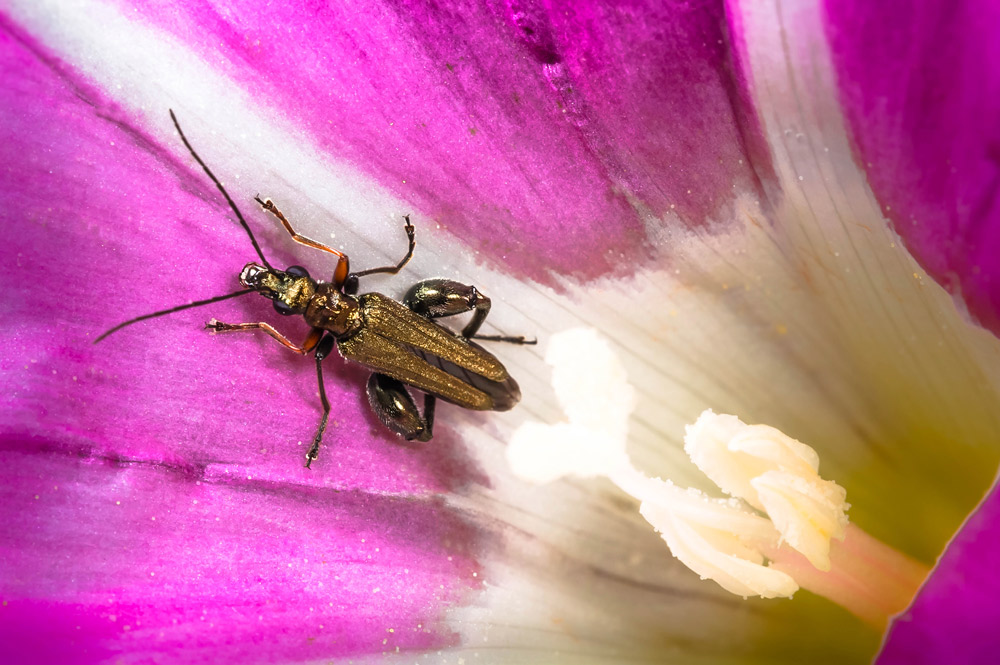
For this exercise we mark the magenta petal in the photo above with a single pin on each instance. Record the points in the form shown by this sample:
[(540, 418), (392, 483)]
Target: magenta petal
[(103, 557), (955, 616), (152, 495), (575, 126), (921, 91)]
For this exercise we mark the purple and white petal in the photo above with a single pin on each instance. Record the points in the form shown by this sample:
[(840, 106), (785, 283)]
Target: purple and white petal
[(680, 178)]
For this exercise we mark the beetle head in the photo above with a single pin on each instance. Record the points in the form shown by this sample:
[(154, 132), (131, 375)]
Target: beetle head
[(290, 289)]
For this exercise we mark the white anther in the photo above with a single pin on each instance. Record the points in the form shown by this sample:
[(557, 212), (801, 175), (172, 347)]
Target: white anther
[(775, 474), (719, 554)]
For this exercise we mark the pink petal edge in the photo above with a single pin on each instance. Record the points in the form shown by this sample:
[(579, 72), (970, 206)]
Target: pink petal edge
[(955, 615)]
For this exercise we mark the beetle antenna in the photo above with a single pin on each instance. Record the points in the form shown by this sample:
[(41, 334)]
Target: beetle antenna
[(163, 312), (232, 204)]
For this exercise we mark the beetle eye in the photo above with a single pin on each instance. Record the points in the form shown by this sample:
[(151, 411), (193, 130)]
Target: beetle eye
[(297, 271), (282, 308), (351, 285)]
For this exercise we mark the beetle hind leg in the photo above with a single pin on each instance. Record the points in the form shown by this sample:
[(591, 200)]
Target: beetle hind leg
[(392, 403), (434, 298)]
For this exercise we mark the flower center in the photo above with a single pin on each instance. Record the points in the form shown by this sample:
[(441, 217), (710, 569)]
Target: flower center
[(780, 517)]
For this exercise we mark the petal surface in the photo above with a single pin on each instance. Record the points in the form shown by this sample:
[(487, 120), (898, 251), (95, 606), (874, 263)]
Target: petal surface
[(141, 510), (921, 100), (954, 618), (777, 292), (508, 116), (921, 93)]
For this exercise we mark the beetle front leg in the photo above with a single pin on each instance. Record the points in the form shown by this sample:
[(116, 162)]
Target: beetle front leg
[(217, 326), (340, 273), (392, 403)]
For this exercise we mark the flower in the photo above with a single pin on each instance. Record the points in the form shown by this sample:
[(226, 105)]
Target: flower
[(683, 177)]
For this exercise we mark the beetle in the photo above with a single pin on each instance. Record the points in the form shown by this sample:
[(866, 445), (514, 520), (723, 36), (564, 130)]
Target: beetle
[(400, 341)]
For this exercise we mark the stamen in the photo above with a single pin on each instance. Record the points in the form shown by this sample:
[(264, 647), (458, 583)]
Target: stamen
[(719, 539), (744, 543), (775, 474)]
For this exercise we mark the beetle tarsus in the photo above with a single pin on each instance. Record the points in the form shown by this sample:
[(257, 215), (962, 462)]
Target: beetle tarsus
[(314, 448), (517, 339)]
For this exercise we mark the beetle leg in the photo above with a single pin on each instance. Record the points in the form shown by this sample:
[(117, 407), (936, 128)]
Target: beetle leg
[(516, 339), (392, 270), (269, 206), (392, 403), (438, 297), (217, 326), (321, 352), (430, 401), (340, 272)]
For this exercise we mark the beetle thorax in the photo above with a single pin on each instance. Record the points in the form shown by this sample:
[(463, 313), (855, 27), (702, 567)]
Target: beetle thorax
[(334, 311)]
